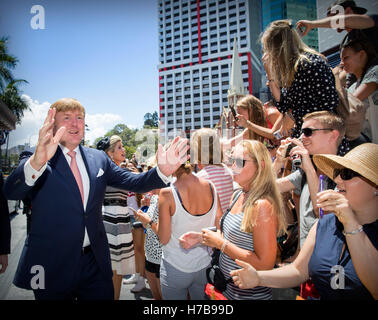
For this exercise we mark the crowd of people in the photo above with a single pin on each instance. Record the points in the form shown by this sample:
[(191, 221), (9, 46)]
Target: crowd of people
[(292, 173)]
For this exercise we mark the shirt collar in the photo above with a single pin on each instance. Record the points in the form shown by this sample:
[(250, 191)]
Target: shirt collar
[(66, 150)]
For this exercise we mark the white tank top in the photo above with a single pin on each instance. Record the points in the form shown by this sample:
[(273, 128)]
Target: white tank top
[(196, 258)]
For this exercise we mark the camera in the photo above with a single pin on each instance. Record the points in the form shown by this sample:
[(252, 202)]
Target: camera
[(288, 149), (296, 159)]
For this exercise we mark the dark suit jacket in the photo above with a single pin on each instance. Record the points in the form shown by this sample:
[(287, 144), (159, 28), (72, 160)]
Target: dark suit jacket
[(5, 230), (59, 220)]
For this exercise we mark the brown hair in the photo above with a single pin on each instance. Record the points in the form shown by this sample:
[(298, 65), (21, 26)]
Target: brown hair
[(256, 114), (184, 168)]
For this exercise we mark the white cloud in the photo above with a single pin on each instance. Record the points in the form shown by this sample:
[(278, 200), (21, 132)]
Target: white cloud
[(27, 131)]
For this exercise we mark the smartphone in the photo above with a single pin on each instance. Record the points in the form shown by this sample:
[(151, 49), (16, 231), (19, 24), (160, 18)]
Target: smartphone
[(300, 31), (214, 229), (132, 209), (233, 112), (277, 134)]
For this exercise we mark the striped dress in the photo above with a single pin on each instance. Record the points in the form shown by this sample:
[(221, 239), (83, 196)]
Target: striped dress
[(244, 240), (222, 179), (117, 224)]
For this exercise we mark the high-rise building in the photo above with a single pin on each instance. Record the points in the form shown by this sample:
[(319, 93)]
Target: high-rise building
[(195, 55), (291, 9)]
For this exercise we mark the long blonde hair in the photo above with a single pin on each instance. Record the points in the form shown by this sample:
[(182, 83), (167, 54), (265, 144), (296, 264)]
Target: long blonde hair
[(263, 186), (282, 43)]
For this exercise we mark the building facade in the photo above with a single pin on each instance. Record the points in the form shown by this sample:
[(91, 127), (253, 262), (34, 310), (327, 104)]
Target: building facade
[(196, 39), (291, 9)]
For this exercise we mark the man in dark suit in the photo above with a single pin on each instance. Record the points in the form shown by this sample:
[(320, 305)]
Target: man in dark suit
[(66, 255), (5, 230)]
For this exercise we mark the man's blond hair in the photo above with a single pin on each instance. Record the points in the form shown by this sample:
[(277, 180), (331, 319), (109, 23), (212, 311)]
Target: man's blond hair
[(68, 104), (328, 120)]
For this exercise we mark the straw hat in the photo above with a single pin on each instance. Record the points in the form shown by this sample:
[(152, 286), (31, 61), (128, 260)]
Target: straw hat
[(363, 159)]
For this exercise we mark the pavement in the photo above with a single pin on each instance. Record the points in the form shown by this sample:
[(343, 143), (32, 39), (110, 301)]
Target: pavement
[(8, 291)]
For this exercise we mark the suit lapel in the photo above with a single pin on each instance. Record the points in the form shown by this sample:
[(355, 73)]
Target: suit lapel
[(60, 165)]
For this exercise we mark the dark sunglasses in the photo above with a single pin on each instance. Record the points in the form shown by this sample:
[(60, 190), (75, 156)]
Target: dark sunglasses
[(308, 131), (240, 163), (345, 174)]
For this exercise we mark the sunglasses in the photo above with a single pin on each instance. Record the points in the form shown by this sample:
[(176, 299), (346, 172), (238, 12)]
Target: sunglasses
[(240, 163), (308, 131), (345, 174)]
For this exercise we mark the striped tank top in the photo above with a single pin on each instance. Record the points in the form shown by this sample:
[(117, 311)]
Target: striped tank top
[(244, 240)]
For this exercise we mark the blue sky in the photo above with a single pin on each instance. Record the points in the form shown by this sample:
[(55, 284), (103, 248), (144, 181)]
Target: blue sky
[(103, 53)]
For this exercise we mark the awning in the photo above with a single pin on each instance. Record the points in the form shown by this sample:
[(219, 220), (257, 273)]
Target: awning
[(7, 117)]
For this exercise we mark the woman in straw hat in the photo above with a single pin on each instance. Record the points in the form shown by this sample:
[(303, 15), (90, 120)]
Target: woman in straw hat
[(340, 254)]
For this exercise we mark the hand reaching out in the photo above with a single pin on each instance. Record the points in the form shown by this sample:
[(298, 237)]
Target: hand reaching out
[(170, 160), (304, 27), (245, 278)]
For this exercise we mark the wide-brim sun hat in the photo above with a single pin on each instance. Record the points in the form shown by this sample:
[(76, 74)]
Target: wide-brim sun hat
[(363, 159)]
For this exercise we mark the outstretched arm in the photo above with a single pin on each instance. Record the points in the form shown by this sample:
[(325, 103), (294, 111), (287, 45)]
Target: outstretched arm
[(350, 21), (288, 276)]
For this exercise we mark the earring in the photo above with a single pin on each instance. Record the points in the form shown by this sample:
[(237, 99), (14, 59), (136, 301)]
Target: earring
[(376, 193)]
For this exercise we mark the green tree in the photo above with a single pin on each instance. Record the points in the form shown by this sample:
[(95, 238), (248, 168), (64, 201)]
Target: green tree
[(151, 120), (7, 62), (9, 92), (11, 96), (127, 135)]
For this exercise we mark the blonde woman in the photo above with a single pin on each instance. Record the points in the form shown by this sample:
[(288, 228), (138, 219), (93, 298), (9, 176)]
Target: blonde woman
[(340, 253), (250, 229), (117, 219), (300, 79)]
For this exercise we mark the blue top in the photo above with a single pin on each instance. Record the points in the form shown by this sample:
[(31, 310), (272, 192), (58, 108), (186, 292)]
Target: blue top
[(328, 258)]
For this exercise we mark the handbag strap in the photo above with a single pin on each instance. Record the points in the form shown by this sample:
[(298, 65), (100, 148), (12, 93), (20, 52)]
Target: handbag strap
[(229, 209)]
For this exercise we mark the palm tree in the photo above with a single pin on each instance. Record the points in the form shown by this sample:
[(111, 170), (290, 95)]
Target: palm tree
[(12, 98), (9, 92), (7, 62)]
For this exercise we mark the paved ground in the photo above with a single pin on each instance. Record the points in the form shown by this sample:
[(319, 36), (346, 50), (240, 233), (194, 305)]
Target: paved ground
[(8, 291)]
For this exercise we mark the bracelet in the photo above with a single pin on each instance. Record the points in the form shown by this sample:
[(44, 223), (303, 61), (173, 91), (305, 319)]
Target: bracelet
[(353, 232), (224, 245)]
